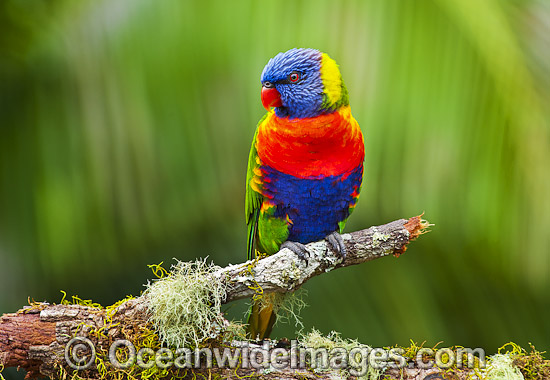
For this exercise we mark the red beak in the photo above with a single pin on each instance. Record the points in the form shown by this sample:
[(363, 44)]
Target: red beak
[(271, 97)]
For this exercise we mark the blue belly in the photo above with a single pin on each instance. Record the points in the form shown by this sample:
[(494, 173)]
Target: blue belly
[(315, 205)]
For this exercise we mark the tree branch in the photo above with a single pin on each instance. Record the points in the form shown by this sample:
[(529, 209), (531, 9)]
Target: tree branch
[(284, 272), (36, 337)]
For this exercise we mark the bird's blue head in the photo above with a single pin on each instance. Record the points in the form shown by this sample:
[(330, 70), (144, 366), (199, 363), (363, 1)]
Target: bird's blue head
[(303, 83)]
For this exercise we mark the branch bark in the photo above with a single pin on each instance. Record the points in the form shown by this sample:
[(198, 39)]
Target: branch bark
[(35, 338), (284, 272)]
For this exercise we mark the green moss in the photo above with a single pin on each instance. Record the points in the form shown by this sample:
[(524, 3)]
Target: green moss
[(247, 274), (185, 311), (141, 336), (510, 363), (532, 365)]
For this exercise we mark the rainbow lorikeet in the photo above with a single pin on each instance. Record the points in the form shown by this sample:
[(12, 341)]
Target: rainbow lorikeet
[(306, 163)]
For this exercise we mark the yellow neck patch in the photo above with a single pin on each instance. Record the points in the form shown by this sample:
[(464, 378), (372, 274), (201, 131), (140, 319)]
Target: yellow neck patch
[(332, 80)]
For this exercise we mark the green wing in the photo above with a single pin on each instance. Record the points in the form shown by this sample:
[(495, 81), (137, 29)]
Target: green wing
[(254, 198)]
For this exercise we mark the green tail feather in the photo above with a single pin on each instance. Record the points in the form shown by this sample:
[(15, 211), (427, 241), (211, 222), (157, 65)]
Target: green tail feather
[(261, 320)]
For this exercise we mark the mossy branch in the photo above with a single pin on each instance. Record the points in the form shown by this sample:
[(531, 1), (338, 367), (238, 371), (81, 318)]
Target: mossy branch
[(35, 338), (283, 272)]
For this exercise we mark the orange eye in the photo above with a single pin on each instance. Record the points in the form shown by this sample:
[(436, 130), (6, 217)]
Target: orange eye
[(294, 77)]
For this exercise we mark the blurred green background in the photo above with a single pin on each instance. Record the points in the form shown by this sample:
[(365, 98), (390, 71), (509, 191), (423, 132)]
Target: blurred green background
[(125, 128)]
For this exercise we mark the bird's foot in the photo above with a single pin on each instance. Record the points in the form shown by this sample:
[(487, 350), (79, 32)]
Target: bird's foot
[(298, 248), (336, 243)]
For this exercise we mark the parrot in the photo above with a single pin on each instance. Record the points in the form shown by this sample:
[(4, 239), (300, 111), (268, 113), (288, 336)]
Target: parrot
[(305, 167)]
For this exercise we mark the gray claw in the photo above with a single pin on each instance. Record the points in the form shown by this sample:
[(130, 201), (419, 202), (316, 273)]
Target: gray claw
[(298, 248), (337, 243)]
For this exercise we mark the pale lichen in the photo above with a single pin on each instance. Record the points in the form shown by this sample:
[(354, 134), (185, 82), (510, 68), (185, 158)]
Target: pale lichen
[(378, 237), (291, 275), (501, 367), (185, 305), (334, 341), (287, 306)]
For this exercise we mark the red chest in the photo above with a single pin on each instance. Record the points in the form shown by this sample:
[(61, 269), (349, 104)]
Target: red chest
[(320, 146)]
